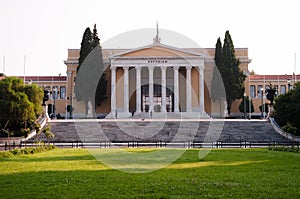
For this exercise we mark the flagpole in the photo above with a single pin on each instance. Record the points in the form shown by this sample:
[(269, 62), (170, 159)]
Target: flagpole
[(264, 92), (295, 68), (24, 67), (3, 64)]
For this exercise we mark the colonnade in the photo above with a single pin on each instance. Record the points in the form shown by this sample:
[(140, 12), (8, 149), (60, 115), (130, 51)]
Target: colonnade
[(163, 69)]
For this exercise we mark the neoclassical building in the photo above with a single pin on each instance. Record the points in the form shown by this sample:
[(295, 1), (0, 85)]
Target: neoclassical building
[(156, 80)]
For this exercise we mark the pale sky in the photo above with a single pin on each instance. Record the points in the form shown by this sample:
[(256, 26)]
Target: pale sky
[(43, 30)]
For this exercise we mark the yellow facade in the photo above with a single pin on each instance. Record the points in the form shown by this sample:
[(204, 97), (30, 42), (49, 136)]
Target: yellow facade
[(65, 84), (156, 51)]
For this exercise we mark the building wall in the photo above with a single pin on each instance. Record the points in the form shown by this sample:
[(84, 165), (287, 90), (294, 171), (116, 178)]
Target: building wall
[(263, 81), (104, 107)]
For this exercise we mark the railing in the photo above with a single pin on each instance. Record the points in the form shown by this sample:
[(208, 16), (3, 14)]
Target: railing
[(160, 144)]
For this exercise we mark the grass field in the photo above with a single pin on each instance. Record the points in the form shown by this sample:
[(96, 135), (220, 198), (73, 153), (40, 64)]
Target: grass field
[(224, 173)]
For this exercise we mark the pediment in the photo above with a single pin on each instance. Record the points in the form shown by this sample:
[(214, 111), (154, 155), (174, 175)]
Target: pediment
[(157, 50)]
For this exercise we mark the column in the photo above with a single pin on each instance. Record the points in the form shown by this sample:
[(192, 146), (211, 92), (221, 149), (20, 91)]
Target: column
[(126, 90), (138, 89), (201, 90), (150, 68), (188, 89), (113, 91), (176, 89), (163, 89)]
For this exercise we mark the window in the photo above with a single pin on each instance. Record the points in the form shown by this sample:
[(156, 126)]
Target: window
[(252, 91), (282, 89), (276, 87), (62, 92), (54, 92), (259, 87)]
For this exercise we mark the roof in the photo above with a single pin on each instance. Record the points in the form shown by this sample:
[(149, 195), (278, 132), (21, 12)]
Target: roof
[(157, 49), (274, 77), (44, 78)]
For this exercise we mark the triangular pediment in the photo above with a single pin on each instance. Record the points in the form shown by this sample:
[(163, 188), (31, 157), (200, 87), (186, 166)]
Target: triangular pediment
[(157, 50)]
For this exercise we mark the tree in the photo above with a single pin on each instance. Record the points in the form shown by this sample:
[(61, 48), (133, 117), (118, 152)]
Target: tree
[(35, 95), (90, 83), (287, 108), (37, 127), (217, 86), (86, 47), (232, 76), (49, 135), (25, 132), (242, 105), (95, 39), (264, 108), (20, 104)]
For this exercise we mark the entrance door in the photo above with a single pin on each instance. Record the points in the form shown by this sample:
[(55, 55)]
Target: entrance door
[(157, 99)]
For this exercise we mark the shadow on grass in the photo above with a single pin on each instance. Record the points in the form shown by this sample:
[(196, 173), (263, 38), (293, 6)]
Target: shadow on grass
[(226, 181)]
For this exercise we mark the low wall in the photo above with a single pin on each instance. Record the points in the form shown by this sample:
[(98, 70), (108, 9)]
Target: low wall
[(283, 133)]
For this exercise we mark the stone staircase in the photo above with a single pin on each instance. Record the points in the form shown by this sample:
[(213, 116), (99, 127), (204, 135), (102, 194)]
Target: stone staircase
[(254, 131)]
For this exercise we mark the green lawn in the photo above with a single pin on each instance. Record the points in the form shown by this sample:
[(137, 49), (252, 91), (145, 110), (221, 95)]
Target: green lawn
[(224, 173)]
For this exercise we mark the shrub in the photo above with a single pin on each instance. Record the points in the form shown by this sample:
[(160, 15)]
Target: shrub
[(289, 128), (28, 150), (6, 154), (287, 108), (294, 149)]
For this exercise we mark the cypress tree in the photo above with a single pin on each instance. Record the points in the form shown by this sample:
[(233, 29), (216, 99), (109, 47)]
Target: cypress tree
[(218, 52), (232, 76), (90, 84), (95, 38), (86, 46), (217, 86)]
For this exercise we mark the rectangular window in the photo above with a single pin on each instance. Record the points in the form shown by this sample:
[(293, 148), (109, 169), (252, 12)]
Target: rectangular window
[(282, 89), (252, 91), (259, 93), (54, 92), (62, 92)]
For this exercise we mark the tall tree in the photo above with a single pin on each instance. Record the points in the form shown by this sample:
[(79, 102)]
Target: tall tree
[(95, 38), (218, 53), (217, 86), (232, 75), (86, 46), (102, 84), (90, 83)]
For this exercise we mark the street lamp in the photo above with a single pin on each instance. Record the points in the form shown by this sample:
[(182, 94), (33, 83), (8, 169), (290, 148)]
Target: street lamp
[(69, 75), (245, 115), (249, 107), (262, 102), (289, 84), (54, 97)]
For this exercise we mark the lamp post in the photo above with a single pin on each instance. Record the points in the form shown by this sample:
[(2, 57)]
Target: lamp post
[(249, 107), (245, 115), (289, 84), (54, 97), (262, 102), (69, 75)]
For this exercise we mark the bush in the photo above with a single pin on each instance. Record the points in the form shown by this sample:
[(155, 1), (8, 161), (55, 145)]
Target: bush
[(266, 108), (294, 149), (241, 106), (6, 154), (289, 128), (287, 109), (28, 150)]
